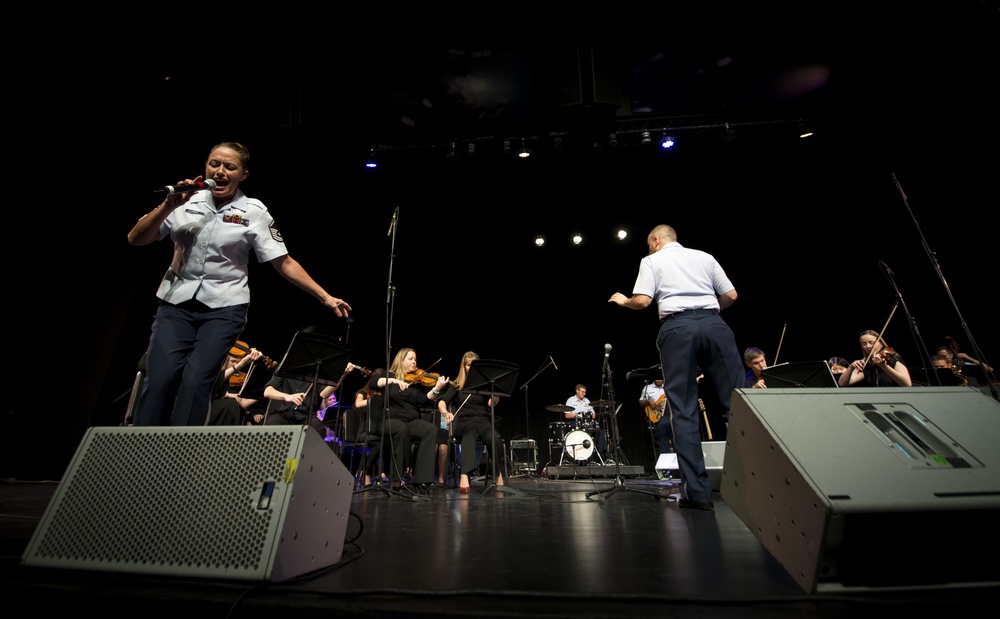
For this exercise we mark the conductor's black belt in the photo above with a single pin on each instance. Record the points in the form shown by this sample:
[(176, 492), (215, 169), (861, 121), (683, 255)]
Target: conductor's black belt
[(690, 312)]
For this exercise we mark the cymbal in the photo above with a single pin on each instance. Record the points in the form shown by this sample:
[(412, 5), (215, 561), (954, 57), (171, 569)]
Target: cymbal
[(600, 404), (559, 408)]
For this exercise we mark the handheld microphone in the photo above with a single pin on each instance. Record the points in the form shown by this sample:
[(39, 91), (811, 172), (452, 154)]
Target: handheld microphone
[(205, 184), (607, 351), (553, 362)]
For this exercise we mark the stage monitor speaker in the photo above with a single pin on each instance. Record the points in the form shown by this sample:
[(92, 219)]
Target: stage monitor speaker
[(714, 453), (869, 487), (242, 502)]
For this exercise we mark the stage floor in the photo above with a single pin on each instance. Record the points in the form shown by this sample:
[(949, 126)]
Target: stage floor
[(537, 547)]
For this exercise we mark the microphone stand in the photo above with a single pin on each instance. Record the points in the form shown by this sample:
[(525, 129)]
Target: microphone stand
[(390, 300), (991, 378), (527, 413), (598, 495), (918, 340)]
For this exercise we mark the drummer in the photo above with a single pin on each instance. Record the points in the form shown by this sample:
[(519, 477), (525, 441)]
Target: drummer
[(584, 417)]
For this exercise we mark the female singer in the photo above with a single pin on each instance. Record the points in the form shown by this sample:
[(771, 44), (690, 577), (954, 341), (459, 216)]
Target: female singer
[(884, 367), (402, 418), (471, 421)]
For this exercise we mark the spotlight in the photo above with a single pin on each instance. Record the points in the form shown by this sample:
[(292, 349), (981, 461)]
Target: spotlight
[(472, 149), (805, 132), (645, 138), (372, 161), (577, 239), (525, 152), (539, 240), (506, 147), (728, 135), (452, 155), (667, 141), (621, 235), (613, 140)]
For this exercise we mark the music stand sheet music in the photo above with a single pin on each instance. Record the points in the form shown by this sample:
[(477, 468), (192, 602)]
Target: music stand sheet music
[(799, 374)]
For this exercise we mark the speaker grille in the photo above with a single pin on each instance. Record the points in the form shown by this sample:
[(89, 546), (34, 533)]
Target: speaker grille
[(175, 500)]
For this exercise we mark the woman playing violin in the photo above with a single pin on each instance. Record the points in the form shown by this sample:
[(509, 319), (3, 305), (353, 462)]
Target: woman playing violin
[(401, 416), (881, 366), (227, 406)]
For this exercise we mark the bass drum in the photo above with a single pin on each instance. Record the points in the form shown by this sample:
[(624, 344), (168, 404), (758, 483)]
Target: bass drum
[(579, 445)]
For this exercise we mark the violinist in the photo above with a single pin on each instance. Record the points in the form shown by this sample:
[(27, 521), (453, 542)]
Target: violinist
[(469, 414), (227, 406), (294, 403), (405, 388), (880, 367)]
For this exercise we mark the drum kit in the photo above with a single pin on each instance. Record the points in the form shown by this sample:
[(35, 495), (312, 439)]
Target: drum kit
[(575, 438)]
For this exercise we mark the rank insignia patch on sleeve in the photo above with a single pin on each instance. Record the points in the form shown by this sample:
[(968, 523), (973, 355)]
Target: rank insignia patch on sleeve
[(274, 233)]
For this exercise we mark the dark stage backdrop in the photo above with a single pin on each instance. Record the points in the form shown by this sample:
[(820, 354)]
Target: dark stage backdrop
[(807, 231)]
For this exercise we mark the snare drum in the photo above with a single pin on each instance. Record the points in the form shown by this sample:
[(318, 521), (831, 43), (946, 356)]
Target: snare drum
[(558, 430)]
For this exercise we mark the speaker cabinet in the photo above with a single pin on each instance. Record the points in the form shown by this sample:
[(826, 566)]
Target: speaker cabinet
[(869, 488), (242, 502), (584, 77)]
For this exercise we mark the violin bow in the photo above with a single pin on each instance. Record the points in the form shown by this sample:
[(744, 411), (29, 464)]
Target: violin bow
[(880, 333), (778, 352)]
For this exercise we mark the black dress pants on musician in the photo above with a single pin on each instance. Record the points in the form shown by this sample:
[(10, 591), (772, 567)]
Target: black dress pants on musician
[(688, 341), (425, 433)]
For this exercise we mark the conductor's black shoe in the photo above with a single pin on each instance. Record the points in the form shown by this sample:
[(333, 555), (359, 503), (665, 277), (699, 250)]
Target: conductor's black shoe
[(689, 504)]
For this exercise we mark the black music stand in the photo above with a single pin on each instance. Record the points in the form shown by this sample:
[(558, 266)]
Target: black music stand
[(253, 386), (314, 358), (493, 378), (799, 374), (256, 380)]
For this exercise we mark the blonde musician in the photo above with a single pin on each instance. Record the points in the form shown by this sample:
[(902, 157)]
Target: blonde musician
[(654, 400), (880, 367)]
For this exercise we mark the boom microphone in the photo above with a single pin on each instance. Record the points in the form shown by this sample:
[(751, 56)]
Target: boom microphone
[(205, 184), (553, 362)]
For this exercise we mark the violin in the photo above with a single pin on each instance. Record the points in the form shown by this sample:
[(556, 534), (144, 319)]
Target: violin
[(889, 356), (239, 351), (421, 377), (241, 348)]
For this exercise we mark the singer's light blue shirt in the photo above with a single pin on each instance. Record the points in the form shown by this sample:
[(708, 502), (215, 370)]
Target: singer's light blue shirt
[(212, 249)]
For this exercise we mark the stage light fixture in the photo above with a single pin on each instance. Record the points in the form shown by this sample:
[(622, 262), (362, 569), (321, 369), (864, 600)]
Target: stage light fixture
[(646, 139), (372, 161), (452, 154), (577, 238), (525, 151), (506, 147), (472, 149), (539, 240), (622, 234), (805, 132), (667, 141), (557, 143), (728, 135), (613, 140)]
